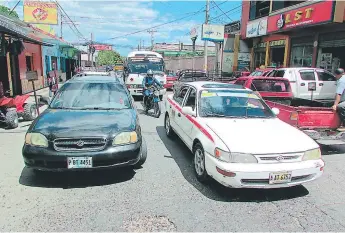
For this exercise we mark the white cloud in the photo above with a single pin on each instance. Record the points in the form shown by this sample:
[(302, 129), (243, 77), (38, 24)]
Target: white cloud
[(115, 19)]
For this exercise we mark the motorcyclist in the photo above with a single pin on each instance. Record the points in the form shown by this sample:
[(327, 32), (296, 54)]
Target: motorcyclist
[(148, 81)]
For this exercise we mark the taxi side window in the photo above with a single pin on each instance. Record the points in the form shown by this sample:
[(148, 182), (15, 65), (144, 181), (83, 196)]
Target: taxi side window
[(191, 99), (179, 95)]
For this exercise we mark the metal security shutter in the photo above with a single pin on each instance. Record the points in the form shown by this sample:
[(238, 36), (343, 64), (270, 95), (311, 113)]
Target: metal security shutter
[(302, 41), (332, 40)]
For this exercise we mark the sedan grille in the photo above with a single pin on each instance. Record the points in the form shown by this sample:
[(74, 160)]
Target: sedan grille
[(79, 144)]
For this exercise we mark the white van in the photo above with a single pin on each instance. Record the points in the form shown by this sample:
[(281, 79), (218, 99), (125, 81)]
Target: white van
[(301, 78)]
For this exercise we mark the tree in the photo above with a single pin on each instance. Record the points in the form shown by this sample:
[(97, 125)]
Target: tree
[(108, 58), (6, 11)]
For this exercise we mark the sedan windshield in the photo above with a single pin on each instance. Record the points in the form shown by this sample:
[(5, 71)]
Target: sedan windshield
[(270, 85), (83, 95), (140, 68), (232, 104)]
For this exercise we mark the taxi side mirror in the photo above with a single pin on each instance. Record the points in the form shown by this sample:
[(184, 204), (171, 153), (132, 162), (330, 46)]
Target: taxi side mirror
[(189, 111)]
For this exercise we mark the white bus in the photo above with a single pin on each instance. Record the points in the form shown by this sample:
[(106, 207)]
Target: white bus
[(136, 66)]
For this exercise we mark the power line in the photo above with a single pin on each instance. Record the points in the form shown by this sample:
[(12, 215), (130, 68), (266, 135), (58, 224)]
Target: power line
[(14, 7), (226, 12), (221, 10), (173, 21), (70, 20)]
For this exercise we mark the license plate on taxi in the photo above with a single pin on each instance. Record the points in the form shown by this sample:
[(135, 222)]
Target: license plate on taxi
[(79, 162), (280, 177)]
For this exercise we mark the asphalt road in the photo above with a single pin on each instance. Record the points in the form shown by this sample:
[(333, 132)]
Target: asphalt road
[(164, 195)]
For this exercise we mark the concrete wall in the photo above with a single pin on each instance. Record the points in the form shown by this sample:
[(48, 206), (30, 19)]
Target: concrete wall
[(181, 63)]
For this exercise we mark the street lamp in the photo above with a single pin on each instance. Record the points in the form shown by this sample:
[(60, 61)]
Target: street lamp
[(193, 37)]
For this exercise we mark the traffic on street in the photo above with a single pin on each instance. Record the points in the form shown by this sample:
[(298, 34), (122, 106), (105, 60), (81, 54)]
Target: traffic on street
[(246, 134)]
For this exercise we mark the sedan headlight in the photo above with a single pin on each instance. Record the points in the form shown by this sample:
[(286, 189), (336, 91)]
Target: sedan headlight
[(125, 138), (312, 154), (234, 157), (243, 158), (222, 155), (36, 139)]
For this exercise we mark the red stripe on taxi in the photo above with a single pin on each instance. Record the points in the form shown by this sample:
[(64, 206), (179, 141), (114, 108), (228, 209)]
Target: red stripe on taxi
[(191, 119)]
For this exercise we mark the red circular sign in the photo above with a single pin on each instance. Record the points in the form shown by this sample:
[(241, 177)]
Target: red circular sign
[(40, 14)]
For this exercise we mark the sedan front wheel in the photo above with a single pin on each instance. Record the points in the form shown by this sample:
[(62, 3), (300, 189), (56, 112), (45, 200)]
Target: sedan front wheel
[(199, 163)]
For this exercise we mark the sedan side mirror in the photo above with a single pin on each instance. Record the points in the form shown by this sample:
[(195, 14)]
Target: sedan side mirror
[(275, 111), (188, 111)]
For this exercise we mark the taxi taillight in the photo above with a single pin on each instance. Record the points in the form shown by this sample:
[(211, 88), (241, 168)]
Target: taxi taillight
[(294, 116)]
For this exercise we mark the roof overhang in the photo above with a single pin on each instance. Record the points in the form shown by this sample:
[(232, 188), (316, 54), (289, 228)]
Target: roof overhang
[(11, 28)]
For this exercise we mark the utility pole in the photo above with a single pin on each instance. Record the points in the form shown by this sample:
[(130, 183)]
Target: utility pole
[(152, 39), (205, 43)]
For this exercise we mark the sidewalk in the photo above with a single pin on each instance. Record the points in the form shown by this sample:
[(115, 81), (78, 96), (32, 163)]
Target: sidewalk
[(42, 94)]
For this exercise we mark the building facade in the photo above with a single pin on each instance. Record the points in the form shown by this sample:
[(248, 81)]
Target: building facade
[(295, 33)]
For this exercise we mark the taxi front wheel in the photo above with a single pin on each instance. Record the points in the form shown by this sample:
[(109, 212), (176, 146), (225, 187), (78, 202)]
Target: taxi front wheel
[(199, 163), (168, 130)]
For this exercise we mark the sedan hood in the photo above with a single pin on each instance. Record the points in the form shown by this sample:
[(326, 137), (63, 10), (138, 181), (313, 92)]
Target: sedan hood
[(260, 136), (55, 123)]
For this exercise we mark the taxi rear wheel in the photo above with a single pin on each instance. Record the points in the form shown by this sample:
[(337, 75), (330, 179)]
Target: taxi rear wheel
[(168, 130), (199, 163)]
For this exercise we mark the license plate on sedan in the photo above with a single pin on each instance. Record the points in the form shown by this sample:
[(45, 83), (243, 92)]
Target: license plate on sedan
[(79, 162), (280, 177)]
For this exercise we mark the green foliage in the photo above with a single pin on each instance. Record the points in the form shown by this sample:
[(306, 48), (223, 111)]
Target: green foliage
[(6, 11), (108, 57)]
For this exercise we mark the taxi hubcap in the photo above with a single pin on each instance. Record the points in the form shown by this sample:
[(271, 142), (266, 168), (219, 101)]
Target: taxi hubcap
[(199, 162), (167, 125)]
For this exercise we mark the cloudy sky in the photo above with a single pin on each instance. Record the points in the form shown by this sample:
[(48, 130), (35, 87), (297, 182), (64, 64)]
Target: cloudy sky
[(124, 23)]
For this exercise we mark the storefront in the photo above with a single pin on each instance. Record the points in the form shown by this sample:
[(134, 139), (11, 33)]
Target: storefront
[(21, 53), (312, 43)]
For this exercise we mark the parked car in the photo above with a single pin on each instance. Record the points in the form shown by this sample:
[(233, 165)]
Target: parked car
[(92, 73), (91, 123), (301, 78), (171, 78), (189, 76), (238, 140), (269, 88)]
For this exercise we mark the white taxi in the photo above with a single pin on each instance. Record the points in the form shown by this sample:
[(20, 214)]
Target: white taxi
[(238, 140)]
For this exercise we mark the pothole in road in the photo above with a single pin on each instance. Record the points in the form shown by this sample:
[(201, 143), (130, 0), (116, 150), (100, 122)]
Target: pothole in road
[(149, 224)]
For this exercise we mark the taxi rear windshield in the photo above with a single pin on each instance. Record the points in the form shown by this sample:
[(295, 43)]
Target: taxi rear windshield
[(270, 85)]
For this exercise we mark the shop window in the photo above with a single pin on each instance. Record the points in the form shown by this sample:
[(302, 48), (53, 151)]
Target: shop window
[(29, 63), (259, 9), (260, 59), (307, 75), (324, 76), (278, 4), (301, 56)]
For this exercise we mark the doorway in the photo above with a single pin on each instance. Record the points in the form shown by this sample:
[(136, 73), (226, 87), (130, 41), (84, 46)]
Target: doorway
[(277, 56), (68, 69), (17, 83), (4, 73)]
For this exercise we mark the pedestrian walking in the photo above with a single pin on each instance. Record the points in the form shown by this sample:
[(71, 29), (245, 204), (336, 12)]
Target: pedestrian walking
[(339, 102), (52, 84)]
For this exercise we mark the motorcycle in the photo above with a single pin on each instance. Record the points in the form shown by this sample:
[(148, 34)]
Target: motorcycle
[(152, 101), (13, 108)]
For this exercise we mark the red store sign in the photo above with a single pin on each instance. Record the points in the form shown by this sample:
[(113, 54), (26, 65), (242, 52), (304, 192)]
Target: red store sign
[(102, 47), (305, 16)]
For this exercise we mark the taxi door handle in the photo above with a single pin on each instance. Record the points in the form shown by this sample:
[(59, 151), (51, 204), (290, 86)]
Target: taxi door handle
[(170, 106), (179, 114)]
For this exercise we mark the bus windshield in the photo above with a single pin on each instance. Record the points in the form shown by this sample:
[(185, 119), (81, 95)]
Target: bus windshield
[(144, 67)]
